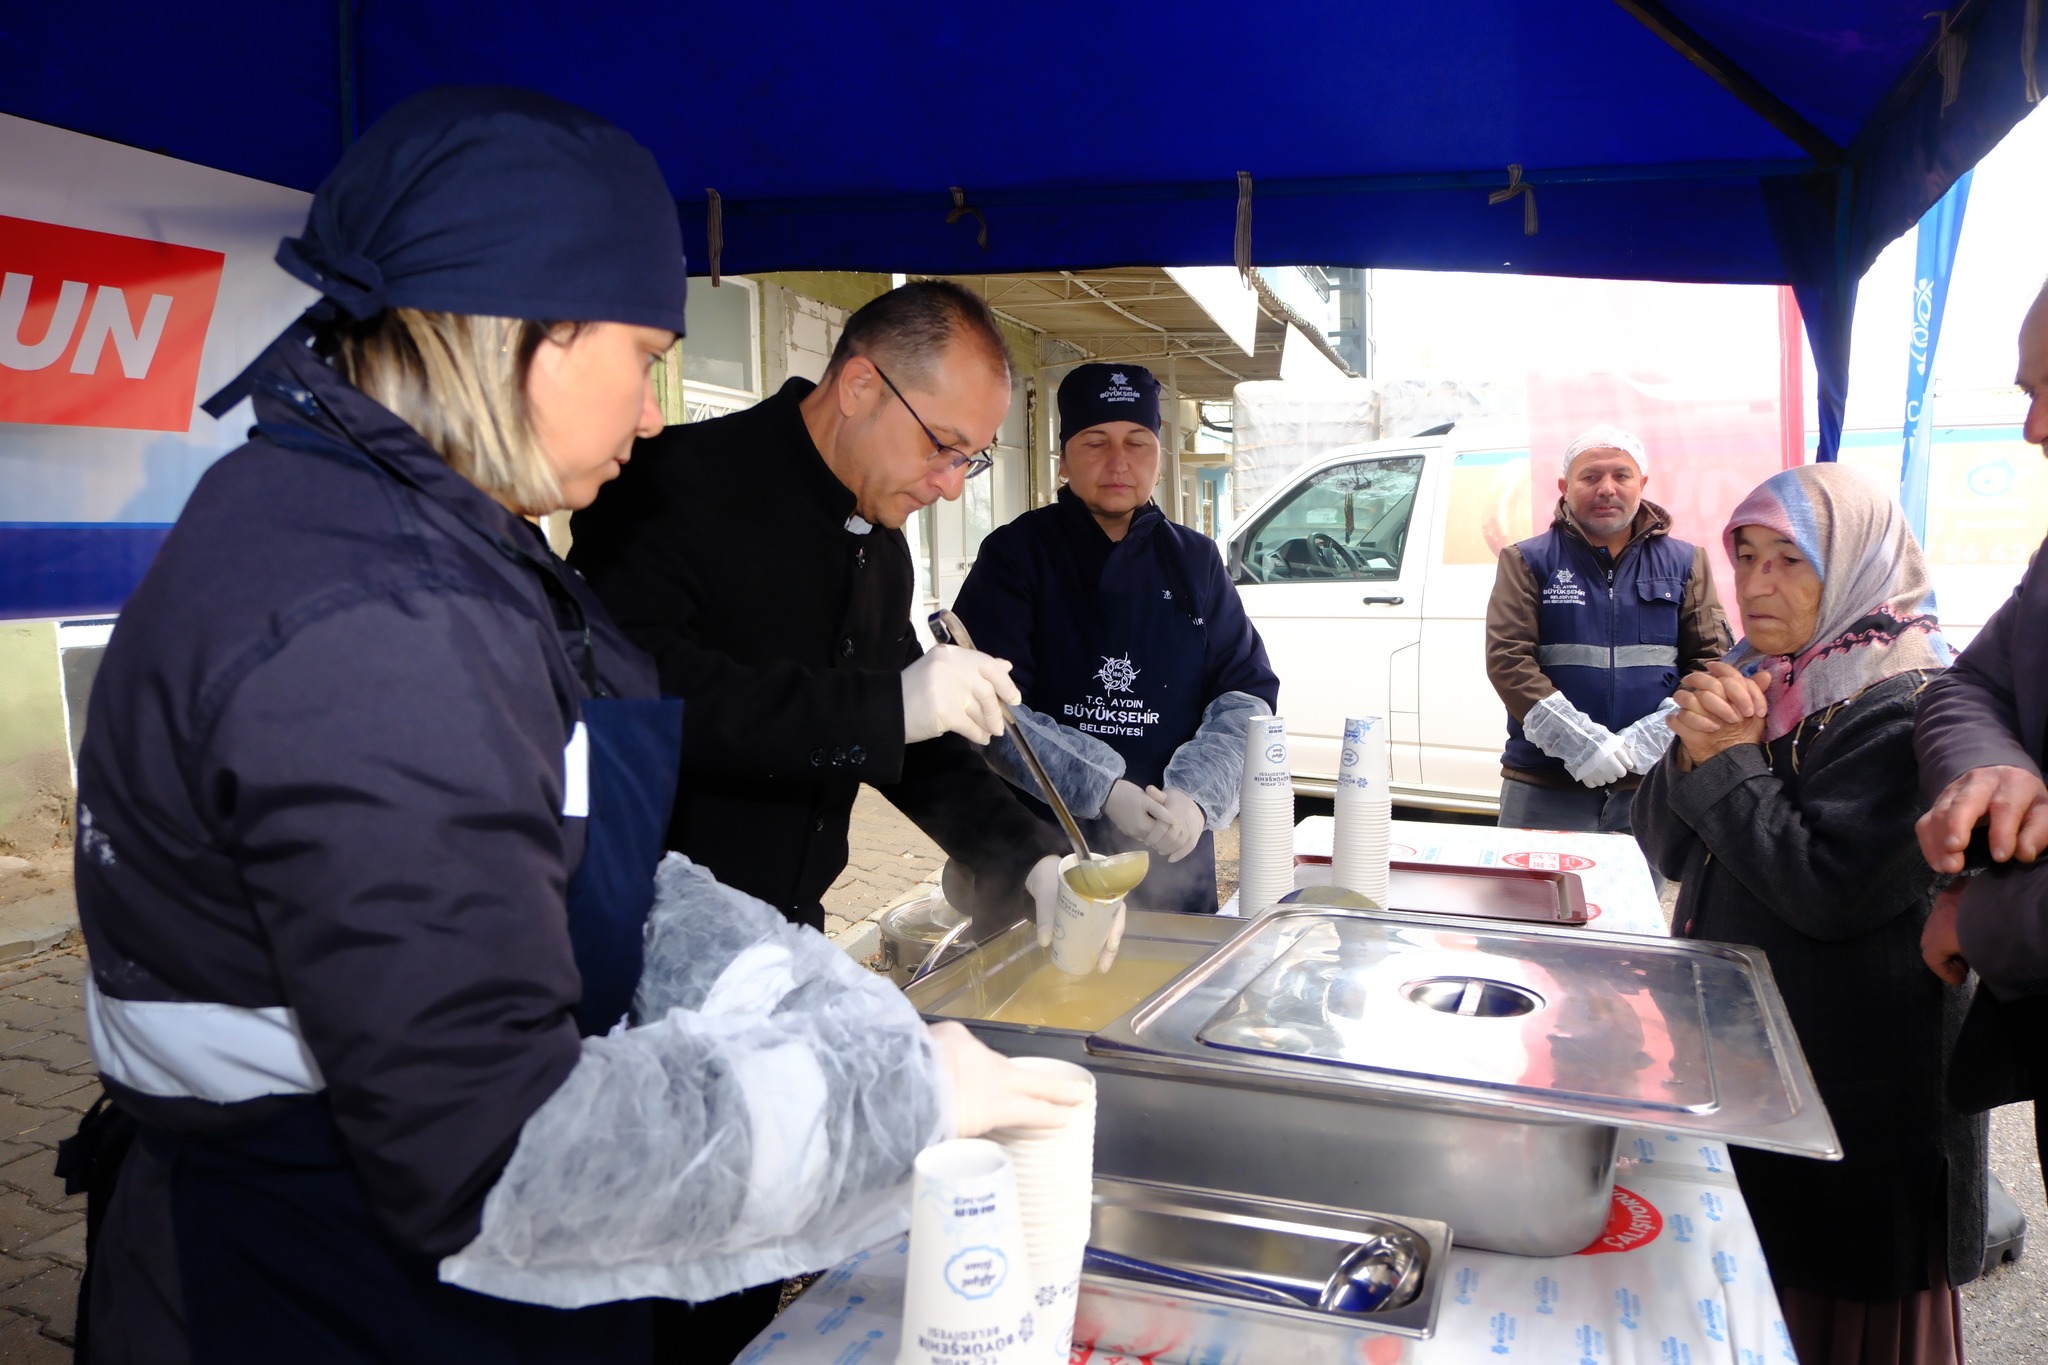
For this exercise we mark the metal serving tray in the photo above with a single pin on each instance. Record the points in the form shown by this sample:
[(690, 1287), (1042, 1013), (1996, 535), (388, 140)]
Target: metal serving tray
[(1535, 1186), (1513, 893), (1507, 1129), (1483, 1017), (1275, 1242)]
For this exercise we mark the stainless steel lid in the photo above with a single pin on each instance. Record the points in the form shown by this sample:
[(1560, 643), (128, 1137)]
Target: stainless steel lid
[(1481, 1016)]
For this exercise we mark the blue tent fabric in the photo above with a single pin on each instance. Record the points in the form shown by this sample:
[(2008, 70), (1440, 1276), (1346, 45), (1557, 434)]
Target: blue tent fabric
[(1089, 136)]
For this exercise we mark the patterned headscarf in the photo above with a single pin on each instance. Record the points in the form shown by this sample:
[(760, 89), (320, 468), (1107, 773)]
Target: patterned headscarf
[(1876, 601)]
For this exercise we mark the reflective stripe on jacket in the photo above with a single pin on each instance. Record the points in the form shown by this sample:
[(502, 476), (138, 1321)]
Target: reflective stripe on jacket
[(1607, 629)]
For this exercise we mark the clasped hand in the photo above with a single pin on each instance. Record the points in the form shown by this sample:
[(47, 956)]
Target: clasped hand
[(2012, 804), (1718, 710)]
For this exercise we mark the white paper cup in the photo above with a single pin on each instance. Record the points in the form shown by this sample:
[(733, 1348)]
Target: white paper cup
[(1081, 926), (1055, 1294), (968, 1292)]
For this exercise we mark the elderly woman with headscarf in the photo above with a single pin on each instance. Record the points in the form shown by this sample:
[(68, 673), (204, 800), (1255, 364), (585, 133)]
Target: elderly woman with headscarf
[(1786, 809)]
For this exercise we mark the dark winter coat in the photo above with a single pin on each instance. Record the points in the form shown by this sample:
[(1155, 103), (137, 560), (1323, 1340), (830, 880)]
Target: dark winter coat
[(1807, 852), (724, 551), (1046, 570), (323, 769), (1991, 710)]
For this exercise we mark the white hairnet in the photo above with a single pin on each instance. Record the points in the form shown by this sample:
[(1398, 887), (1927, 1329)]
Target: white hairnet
[(1605, 437), (761, 1124)]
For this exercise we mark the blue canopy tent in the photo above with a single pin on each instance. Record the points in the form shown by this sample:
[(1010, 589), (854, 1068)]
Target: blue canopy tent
[(1759, 141)]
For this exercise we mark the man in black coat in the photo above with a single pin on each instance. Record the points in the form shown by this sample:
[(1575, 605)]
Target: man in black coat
[(760, 559), (1980, 739)]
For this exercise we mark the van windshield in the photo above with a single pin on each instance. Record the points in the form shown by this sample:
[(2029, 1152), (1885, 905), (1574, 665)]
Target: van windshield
[(1348, 523)]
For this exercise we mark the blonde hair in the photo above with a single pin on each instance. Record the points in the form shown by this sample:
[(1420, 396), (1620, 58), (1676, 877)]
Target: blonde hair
[(459, 380)]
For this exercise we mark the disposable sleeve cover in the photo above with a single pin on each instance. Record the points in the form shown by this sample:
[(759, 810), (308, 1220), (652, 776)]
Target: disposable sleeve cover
[(760, 1124), (1082, 767), (1564, 732), (1210, 766), (1649, 737)]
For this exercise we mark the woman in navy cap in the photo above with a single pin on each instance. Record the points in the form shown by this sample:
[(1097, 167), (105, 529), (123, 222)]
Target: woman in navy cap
[(1139, 668), (370, 807)]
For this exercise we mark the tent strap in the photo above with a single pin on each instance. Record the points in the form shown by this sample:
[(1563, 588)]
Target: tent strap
[(961, 208), (1949, 56), (714, 230), (2030, 38), (1517, 185), (1241, 244)]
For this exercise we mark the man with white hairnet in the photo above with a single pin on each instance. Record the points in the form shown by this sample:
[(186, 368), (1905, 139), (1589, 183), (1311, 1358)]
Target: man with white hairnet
[(1589, 629)]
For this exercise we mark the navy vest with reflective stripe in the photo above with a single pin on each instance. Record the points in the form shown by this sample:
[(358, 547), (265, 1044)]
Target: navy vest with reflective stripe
[(1611, 648)]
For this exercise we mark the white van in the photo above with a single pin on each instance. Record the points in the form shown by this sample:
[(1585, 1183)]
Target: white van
[(1368, 572)]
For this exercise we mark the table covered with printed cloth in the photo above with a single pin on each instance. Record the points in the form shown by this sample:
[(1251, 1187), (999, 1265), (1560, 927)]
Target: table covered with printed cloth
[(1676, 1278)]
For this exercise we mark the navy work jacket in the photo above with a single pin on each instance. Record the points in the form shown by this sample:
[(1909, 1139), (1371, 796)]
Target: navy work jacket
[(323, 769), (1608, 628), (1128, 640)]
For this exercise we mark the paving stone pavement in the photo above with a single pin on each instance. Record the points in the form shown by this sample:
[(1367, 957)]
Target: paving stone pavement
[(46, 1082), (888, 857)]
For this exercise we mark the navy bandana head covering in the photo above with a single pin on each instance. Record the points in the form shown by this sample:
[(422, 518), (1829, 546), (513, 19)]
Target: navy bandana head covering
[(1094, 394), (494, 201)]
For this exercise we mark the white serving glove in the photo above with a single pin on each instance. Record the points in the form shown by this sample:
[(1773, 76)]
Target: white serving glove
[(1135, 813), (1593, 754), (1606, 764), (957, 690), (1649, 737), (1043, 882), (1181, 822), (990, 1091)]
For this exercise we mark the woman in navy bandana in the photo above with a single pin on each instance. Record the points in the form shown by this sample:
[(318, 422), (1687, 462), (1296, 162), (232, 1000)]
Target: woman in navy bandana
[(1139, 668), (370, 811)]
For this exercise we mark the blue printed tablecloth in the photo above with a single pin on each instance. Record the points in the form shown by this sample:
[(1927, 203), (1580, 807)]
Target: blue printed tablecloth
[(1677, 1277)]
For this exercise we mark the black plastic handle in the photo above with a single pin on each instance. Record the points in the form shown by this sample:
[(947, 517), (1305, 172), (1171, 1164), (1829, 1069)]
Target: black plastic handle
[(1385, 601)]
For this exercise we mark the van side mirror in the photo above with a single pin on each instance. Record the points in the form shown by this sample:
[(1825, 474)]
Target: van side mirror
[(1234, 561)]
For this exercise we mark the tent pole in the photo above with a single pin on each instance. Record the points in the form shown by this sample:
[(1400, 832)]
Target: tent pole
[(1754, 95)]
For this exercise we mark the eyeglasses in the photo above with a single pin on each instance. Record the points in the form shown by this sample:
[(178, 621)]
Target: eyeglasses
[(978, 463)]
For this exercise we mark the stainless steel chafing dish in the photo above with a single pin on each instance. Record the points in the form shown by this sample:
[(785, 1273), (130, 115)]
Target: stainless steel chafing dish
[(1465, 1070)]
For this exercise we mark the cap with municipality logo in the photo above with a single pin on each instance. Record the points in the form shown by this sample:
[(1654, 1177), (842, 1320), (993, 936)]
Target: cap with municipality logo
[(1094, 394)]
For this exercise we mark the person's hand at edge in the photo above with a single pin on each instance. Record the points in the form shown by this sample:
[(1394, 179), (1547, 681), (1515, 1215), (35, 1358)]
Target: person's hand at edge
[(2012, 801), (1940, 948)]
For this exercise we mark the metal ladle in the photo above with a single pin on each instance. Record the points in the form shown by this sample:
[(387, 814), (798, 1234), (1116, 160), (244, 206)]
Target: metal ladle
[(1382, 1272), (1099, 878)]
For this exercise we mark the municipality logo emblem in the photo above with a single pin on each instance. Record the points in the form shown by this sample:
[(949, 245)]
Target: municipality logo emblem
[(1117, 674), (1564, 578), (1118, 379)]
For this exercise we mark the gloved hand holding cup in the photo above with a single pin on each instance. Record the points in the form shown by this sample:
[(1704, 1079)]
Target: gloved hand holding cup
[(1083, 933)]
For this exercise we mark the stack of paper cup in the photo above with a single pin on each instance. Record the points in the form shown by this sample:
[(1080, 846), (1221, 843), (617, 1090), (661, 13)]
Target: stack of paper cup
[(1055, 1173), (967, 1292), (1265, 818), (1365, 808)]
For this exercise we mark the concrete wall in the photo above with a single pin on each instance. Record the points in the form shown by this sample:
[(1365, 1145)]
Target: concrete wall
[(35, 766)]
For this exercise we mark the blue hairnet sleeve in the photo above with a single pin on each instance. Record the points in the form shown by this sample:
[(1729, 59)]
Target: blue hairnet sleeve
[(1210, 766), (762, 1124), (1081, 766)]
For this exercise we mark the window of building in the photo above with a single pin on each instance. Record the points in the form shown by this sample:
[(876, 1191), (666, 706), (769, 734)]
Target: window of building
[(720, 361)]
